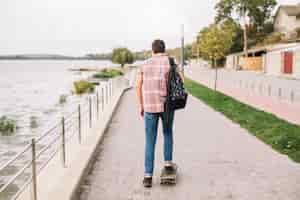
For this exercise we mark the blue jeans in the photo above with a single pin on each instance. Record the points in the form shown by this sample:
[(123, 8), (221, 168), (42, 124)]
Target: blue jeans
[(151, 126)]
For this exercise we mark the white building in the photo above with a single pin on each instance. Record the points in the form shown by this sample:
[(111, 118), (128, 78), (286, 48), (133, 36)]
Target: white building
[(279, 60), (284, 62), (287, 20)]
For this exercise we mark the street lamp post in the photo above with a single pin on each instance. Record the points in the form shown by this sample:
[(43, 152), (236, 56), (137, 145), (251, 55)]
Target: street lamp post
[(182, 47)]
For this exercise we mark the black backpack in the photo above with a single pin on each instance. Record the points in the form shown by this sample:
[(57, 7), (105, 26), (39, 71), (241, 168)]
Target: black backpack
[(176, 94)]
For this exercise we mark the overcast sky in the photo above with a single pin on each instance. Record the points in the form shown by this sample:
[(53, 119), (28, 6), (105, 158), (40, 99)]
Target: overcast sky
[(77, 27)]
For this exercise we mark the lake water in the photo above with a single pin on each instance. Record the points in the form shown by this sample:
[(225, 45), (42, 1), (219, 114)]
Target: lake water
[(31, 89)]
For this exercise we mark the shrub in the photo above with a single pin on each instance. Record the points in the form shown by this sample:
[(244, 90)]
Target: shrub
[(7, 126), (273, 38), (33, 122), (122, 56), (82, 87), (63, 99), (108, 73)]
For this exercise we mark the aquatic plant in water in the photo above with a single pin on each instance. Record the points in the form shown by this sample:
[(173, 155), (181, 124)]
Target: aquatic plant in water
[(7, 126), (108, 73), (33, 122), (63, 99), (83, 86)]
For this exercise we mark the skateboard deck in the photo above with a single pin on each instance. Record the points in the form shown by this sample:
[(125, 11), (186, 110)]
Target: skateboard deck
[(168, 179)]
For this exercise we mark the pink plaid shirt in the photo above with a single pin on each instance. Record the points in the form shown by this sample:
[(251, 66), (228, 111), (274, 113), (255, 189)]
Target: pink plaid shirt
[(154, 74)]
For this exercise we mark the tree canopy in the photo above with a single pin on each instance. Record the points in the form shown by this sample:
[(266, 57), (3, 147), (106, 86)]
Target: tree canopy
[(215, 41), (258, 11), (122, 56), (177, 52)]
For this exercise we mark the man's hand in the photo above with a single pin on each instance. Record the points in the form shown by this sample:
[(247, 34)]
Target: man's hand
[(142, 112)]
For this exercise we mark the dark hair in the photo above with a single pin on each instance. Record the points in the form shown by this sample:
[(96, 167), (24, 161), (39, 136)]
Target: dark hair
[(158, 46)]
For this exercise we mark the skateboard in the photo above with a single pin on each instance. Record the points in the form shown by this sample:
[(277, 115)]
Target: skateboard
[(168, 179)]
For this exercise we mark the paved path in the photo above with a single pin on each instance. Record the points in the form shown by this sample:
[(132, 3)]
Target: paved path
[(258, 90), (218, 160)]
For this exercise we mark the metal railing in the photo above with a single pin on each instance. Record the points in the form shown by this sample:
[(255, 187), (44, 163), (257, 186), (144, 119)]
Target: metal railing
[(36, 155)]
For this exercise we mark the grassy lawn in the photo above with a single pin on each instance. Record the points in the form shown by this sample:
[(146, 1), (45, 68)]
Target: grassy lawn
[(281, 135)]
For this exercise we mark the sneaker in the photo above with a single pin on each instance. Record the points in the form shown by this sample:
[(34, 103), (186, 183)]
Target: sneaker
[(170, 169), (147, 182)]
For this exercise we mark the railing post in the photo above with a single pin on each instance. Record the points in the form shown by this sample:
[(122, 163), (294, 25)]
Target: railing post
[(112, 87), (253, 87), (117, 82), (279, 93), (79, 124), (269, 90), (106, 93), (260, 88), (90, 112), (63, 142), (102, 98), (34, 172), (109, 85), (97, 105), (292, 96)]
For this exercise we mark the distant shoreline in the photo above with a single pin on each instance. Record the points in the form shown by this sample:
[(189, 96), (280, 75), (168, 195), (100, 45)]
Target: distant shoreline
[(53, 57), (50, 57), (25, 58)]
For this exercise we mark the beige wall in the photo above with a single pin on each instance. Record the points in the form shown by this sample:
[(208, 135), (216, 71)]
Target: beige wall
[(296, 69), (229, 62), (273, 63), (252, 63), (232, 62), (284, 23)]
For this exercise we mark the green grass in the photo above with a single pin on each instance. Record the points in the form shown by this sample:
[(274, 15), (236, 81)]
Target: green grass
[(280, 134), (82, 87), (108, 73)]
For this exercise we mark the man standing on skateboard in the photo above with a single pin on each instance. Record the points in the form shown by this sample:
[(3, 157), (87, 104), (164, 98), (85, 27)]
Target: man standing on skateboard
[(151, 92)]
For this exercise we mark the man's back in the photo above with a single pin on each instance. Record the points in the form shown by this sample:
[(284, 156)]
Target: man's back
[(155, 74)]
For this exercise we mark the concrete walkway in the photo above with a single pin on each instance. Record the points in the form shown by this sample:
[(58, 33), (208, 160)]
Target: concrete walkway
[(217, 160)]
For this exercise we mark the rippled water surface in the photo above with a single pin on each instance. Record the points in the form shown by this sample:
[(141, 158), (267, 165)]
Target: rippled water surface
[(31, 89)]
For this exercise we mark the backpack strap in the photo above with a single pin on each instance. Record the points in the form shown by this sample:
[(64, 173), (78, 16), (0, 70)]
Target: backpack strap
[(172, 63), (167, 108)]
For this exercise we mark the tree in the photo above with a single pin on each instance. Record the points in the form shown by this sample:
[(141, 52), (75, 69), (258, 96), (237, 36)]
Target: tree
[(235, 28), (261, 12), (188, 54), (195, 50), (257, 11), (177, 52), (215, 41), (122, 56)]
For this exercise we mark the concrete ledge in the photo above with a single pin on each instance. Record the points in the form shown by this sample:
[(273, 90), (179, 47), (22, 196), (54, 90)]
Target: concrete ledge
[(89, 163)]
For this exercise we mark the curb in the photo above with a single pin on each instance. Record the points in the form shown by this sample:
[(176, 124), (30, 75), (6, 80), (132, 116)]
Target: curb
[(89, 164)]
